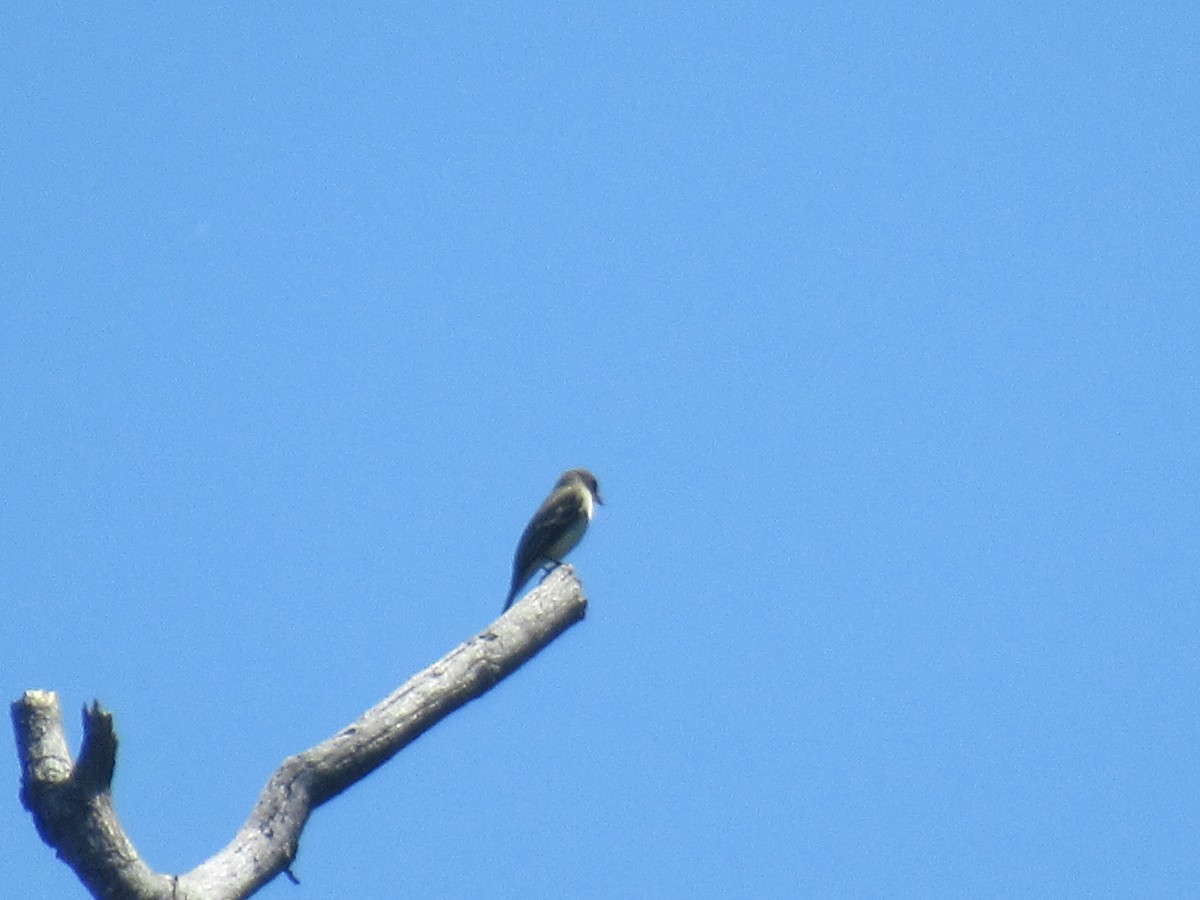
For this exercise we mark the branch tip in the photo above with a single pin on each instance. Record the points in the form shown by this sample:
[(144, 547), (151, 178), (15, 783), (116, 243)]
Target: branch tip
[(98, 755)]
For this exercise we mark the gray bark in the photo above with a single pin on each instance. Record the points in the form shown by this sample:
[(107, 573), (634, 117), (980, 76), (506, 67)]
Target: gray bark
[(72, 806)]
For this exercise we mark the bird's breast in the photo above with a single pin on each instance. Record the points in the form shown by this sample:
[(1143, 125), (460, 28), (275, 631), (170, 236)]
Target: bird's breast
[(568, 539)]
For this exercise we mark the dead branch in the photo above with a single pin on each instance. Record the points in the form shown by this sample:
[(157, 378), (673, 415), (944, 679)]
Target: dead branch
[(72, 806)]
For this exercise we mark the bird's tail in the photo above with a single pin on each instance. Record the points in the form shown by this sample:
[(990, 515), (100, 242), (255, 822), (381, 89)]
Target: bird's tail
[(519, 580), (512, 595)]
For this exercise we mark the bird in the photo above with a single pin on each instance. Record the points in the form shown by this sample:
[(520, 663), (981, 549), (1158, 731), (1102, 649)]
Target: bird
[(555, 528)]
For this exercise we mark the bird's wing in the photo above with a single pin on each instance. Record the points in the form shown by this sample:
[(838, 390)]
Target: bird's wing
[(552, 531), (557, 515)]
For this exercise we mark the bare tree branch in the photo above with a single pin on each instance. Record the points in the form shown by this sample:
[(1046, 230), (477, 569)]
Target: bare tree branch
[(72, 804)]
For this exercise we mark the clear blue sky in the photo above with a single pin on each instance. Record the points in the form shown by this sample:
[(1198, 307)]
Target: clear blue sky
[(878, 325)]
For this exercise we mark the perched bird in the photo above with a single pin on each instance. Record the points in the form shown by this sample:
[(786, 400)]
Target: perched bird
[(555, 528)]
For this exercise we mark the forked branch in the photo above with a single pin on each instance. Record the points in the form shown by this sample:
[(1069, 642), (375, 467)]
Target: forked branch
[(71, 802)]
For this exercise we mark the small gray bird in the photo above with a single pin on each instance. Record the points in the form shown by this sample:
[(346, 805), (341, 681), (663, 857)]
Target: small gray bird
[(555, 528)]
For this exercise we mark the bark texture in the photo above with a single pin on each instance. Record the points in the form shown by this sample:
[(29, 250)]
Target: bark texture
[(71, 801)]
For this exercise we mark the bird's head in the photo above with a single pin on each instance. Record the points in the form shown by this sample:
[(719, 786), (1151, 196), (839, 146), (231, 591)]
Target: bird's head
[(584, 477)]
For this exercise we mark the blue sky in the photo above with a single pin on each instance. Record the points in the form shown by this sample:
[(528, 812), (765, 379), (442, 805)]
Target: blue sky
[(878, 325)]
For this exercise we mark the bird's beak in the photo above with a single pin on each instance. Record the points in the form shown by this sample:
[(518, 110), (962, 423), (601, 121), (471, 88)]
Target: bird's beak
[(598, 500)]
